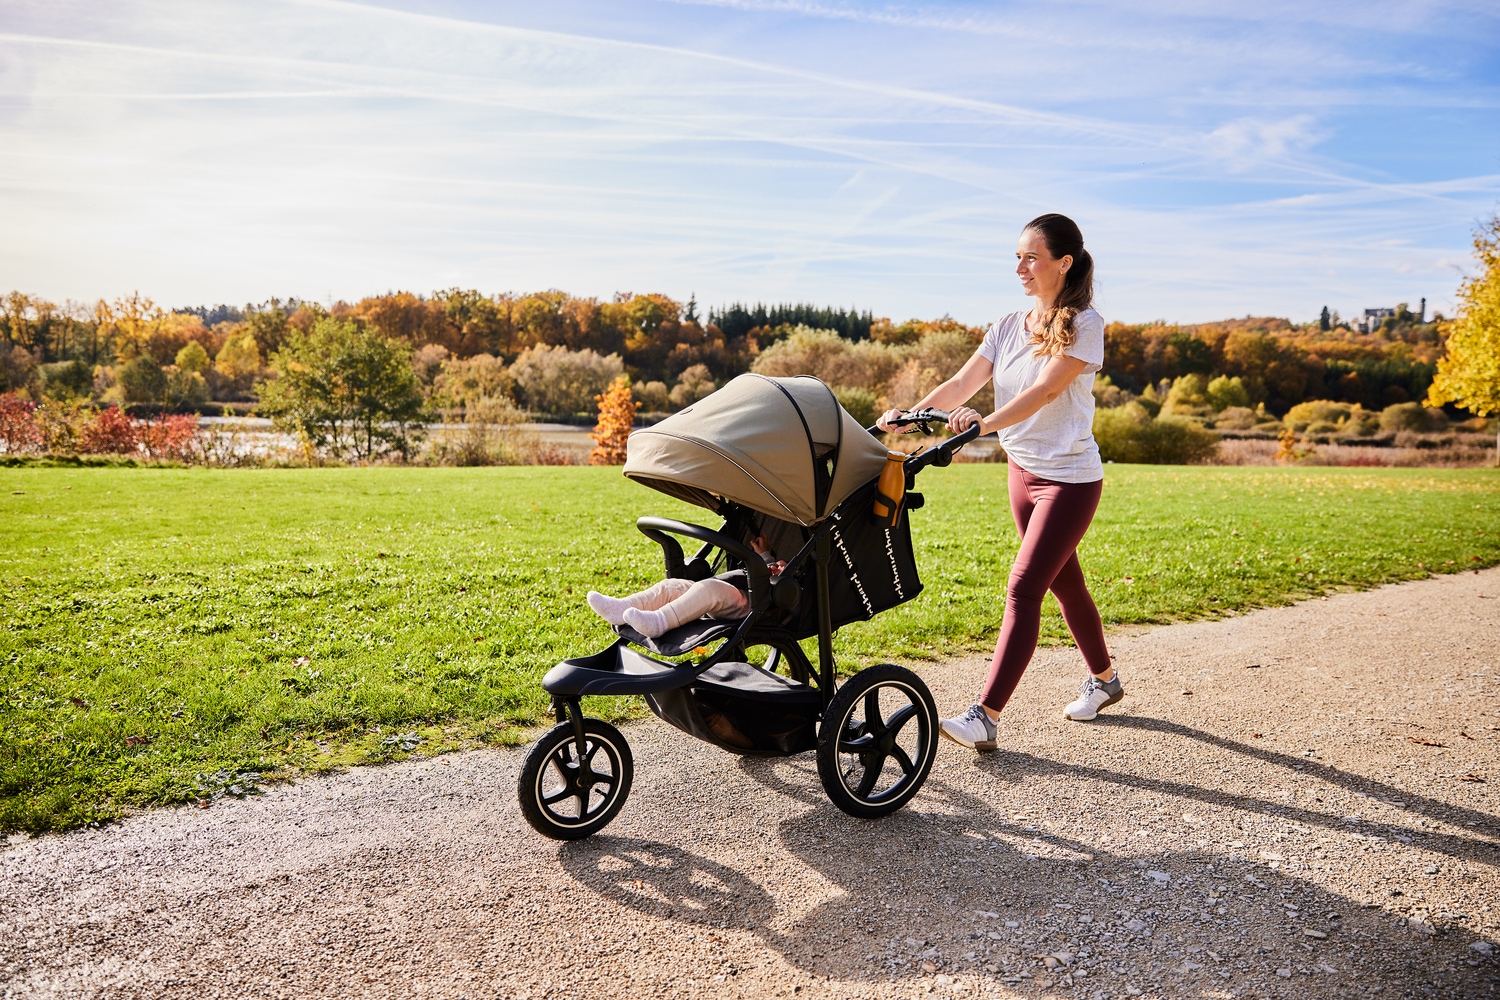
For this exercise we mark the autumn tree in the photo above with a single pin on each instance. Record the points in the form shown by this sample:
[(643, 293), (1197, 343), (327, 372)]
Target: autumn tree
[(1469, 373), (616, 418), (349, 390)]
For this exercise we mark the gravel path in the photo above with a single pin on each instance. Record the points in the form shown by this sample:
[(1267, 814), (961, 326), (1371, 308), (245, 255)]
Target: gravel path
[(1298, 825)]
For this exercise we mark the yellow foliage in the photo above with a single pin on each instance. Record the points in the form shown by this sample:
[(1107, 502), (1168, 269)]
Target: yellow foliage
[(1469, 373)]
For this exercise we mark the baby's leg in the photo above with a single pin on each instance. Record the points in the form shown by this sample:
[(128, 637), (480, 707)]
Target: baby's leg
[(612, 609), (714, 598)]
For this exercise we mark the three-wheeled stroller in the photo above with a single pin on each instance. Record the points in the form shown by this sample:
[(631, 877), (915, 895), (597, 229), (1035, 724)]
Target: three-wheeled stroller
[(779, 458)]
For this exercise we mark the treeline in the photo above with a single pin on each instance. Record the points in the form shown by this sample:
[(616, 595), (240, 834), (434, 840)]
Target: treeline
[(550, 352), (1280, 363)]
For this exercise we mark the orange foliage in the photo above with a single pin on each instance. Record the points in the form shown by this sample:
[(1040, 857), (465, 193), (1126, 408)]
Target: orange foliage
[(616, 418)]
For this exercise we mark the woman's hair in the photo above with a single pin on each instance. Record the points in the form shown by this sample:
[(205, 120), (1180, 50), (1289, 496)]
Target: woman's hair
[(1064, 239)]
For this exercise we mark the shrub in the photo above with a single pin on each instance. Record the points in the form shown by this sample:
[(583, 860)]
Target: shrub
[(1188, 397), (1129, 434), (239, 358), (557, 380), (652, 396), (193, 358), (1236, 418), (862, 404), (67, 379), (1225, 392), (1108, 395), (171, 436), (1413, 417), (18, 427), (465, 382), (495, 433), (1361, 421), (616, 418), (18, 369), (140, 380), (185, 388), (1315, 411), (692, 385), (111, 432)]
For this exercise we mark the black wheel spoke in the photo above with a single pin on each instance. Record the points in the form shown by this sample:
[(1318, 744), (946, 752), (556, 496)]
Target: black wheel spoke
[(558, 796), (602, 779), (899, 718), (874, 764), (859, 744), (874, 724), (902, 760)]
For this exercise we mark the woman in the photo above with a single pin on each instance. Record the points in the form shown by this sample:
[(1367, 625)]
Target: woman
[(1043, 364)]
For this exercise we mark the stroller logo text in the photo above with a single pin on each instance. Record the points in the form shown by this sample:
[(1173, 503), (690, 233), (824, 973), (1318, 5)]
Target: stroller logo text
[(838, 539)]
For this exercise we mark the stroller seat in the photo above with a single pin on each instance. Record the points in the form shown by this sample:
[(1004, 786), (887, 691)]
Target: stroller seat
[(682, 639)]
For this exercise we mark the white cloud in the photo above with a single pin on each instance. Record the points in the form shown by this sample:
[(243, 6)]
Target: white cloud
[(238, 150)]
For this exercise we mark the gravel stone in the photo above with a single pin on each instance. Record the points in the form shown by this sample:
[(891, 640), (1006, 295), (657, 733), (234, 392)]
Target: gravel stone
[(1177, 847)]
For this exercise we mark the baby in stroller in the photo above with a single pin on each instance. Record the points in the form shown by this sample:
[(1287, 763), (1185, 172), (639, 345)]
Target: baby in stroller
[(672, 602)]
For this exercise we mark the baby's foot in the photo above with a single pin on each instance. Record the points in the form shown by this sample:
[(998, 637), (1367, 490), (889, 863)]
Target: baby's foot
[(648, 623), (611, 609)]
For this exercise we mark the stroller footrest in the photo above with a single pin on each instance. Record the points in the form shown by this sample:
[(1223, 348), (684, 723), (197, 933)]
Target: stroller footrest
[(682, 639), (616, 670)]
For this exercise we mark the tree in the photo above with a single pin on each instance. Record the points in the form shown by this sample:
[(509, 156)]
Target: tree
[(1468, 373), (1325, 322), (193, 358), (616, 417), (350, 391), (557, 380)]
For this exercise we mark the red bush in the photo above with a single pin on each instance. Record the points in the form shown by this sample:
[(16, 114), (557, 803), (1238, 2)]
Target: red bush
[(18, 428), (109, 433), (170, 436)]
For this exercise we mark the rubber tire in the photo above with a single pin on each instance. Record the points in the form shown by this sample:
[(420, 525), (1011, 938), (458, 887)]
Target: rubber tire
[(599, 736), (844, 704)]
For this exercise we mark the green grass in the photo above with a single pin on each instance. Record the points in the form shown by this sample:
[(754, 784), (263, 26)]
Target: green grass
[(165, 631)]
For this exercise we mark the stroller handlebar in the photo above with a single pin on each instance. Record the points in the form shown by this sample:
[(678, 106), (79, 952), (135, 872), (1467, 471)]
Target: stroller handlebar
[(941, 454), (938, 455)]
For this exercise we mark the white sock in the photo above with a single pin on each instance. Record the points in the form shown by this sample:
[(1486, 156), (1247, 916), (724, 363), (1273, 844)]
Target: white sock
[(611, 609), (648, 623)]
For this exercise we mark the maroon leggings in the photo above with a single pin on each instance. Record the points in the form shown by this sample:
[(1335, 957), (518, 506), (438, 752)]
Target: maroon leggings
[(1051, 518)]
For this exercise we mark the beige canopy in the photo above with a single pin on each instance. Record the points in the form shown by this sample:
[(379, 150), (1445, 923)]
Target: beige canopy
[(782, 446)]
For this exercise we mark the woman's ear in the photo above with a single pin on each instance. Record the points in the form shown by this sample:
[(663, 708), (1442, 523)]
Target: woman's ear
[(1065, 263)]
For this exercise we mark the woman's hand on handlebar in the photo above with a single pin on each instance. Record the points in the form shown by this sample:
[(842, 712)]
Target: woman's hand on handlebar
[(884, 423), (963, 418)]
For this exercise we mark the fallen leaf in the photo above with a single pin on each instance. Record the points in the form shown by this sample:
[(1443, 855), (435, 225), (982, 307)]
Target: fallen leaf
[(1471, 776), (79, 702), (1466, 735), (135, 741), (1426, 743), (1187, 693)]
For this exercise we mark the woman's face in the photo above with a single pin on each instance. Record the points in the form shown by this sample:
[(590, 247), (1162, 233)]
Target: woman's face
[(1040, 272)]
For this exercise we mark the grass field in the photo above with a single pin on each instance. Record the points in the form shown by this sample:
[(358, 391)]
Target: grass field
[(168, 633)]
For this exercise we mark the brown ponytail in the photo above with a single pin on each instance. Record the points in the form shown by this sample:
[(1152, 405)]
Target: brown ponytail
[(1064, 239)]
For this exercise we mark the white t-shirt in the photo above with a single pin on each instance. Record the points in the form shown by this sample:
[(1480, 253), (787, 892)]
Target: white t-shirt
[(1056, 442)]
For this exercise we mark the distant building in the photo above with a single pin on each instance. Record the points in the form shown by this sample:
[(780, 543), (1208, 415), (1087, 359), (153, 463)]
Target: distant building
[(1372, 318)]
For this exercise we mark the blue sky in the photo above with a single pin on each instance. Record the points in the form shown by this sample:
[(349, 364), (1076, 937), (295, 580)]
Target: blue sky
[(1222, 159)]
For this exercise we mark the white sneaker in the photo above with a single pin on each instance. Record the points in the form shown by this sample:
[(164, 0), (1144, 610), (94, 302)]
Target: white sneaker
[(973, 729), (1092, 696)]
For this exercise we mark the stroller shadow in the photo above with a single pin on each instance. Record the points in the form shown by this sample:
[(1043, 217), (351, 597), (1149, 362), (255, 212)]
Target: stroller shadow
[(938, 881)]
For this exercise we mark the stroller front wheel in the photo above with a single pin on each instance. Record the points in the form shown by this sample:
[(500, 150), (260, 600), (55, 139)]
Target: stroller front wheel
[(566, 795), (877, 741)]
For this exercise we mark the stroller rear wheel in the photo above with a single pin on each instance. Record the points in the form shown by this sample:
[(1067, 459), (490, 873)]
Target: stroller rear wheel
[(566, 795), (877, 741)]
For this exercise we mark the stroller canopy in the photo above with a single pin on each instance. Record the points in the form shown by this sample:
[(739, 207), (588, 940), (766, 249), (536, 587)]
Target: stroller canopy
[(782, 446)]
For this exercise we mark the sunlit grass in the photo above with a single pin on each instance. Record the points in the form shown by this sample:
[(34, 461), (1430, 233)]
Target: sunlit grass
[(162, 625)]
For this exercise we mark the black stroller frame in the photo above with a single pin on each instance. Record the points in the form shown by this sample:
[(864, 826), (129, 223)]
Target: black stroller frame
[(871, 761)]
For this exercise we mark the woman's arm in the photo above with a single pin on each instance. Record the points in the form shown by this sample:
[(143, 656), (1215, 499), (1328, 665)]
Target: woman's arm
[(1050, 384), (975, 373)]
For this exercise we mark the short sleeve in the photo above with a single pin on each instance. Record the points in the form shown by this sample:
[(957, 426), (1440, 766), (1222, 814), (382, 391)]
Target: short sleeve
[(1089, 345), (989, 348)]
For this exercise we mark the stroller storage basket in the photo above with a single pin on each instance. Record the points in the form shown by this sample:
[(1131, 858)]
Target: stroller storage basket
[(744, 709)]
